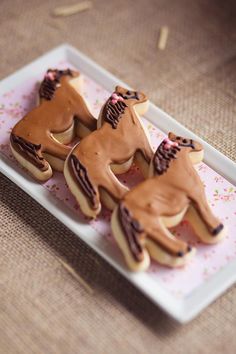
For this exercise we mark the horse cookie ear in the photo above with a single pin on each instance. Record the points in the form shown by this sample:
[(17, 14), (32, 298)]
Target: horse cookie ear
[(120, 89), (171, 136), (196, 154)]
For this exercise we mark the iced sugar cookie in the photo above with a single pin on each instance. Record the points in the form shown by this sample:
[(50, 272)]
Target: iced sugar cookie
[(141, 221), (120, 138), (38, 140)]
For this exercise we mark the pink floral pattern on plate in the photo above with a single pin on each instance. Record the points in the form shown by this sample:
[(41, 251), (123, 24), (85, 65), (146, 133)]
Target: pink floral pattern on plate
[(221, 194)]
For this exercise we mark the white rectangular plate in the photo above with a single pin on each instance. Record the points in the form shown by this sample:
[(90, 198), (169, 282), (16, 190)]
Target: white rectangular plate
[(182, 309)]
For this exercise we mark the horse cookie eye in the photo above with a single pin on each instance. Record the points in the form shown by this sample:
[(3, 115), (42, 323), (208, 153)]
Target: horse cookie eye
[(178, 138), (185, 141), (128, 93)]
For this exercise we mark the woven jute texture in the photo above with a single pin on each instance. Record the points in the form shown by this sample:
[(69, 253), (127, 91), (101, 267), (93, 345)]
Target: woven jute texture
[(43, 308)]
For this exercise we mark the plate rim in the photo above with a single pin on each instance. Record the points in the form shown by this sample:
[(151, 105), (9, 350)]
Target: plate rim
[(184, 309)]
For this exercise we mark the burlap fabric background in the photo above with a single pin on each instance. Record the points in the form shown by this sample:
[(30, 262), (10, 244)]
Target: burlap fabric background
[(43, 309)]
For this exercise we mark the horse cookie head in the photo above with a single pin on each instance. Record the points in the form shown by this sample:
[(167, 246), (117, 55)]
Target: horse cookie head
[(173, 148), (53, 79), (131, 98), (195, 149)]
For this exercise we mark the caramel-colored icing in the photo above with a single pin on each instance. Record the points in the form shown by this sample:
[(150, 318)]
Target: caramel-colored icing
[(174, 186), (119, 138), (53, 116)]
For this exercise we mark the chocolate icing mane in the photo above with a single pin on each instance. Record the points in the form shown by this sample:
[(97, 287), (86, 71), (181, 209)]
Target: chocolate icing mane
[(30, 149), (163, 156), (132, 230), (167, 151), (51, 81), (81, 176), (113, 112)]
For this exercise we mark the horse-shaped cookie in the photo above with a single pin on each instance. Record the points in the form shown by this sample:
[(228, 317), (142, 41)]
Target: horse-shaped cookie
[(38, 139), (90, 167), (141, 221)]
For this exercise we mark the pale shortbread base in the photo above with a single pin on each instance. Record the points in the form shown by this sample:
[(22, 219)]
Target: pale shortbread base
[(56, 163), (65, 137), (81, 130), (141, 108), (171, 221), (196, 156), (106, 199), (164, 258), (200, 228), (33, 170), (122, 168), (156, 252)]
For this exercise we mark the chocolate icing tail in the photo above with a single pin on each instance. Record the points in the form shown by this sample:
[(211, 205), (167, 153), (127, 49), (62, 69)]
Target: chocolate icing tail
[(30, 151), (132, 230), (113, 112), (81, 176)]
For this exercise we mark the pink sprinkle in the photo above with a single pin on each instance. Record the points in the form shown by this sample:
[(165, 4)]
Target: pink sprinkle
[(169, 143), (167, 146), (50, 75), (116, 98)]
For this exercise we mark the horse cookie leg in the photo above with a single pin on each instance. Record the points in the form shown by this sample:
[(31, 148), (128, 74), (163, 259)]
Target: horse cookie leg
[(201, 227), (144, 156), (166, 249), (111, 189), (55, 153), (207, 227)]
